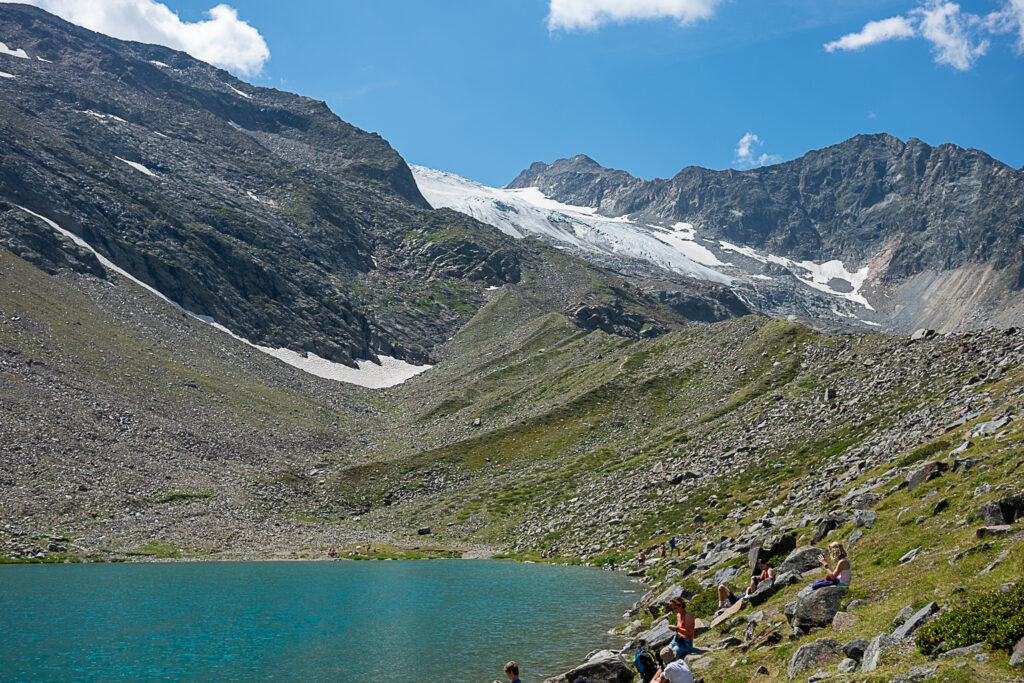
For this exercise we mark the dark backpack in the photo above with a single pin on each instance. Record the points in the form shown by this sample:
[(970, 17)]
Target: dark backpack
[(645, 664)]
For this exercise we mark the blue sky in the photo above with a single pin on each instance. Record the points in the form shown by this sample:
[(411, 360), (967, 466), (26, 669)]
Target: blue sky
[(483, 88)]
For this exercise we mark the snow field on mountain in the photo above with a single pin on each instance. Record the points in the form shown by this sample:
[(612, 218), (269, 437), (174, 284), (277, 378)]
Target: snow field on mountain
[(137, 166), (528, 211), (388, 373), (4, 74)]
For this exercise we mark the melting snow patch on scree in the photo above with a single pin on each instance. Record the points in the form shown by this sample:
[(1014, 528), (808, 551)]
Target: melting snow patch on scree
[(816, 275), (390, 372), (528, 211), (245, 95), (4, 74), (137, 167), (4, 50)]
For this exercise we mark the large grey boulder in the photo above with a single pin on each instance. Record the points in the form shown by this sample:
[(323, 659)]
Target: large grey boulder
[(914, 622), (864, 518), (801, 560), (770, 587), (659, 605), (813, 655), (855, 648), (604, 666), (818, 608), (1004, 511), (1017, 656), (657, 637), (873, 653), (923, 473)]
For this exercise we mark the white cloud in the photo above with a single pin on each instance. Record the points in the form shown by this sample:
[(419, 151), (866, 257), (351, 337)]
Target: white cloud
[(747, 153), (590, 14), (874, 32), (221, 39), (957, 38), (949, 31)]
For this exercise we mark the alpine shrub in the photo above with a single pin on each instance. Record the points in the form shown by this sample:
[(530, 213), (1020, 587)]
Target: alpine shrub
[(995, 618)]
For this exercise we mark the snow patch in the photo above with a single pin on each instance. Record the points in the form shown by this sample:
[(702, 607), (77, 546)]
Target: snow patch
[(156, 132), (492, 288), (4, 74), (527, 211), (388, 373), (137, 166), (234, 125), (43, 60), (19, 53), (243, 94), (816, 275), (156, 63), (102, 117)]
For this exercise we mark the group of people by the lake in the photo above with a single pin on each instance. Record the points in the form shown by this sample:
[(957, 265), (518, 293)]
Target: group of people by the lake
[(838, 572)]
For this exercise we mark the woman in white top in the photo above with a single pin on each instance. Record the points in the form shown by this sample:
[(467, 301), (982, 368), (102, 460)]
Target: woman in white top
[(838, 572)]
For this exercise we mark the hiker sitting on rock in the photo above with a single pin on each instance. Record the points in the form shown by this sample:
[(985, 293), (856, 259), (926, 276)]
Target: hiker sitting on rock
[(682, 641), (726, 598), (763, 572), (675, 671), (838, 573)]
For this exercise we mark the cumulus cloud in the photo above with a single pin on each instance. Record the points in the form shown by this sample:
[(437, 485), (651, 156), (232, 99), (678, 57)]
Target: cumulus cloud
[(874, 32), (221, 39), (591, 14), (957, 38), (747, 153)]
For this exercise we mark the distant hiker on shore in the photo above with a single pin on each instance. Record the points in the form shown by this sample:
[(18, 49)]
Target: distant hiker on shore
[(512, 671), (682, 641), (839, 572), (763, 572), (673, 548), (641, 557), (675, 671), (664, 550)]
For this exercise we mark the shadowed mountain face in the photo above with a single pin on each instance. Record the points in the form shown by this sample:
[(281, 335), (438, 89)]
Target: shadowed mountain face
[(258, 208), (940, 228)]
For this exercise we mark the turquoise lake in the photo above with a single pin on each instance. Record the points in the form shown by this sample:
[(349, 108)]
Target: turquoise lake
[(427, 620)]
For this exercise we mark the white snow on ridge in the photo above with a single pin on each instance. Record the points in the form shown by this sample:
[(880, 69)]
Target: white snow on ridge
[(4, 74), (161, 64), (816, 275), (520, 212), (390, 372), (43, 60), (20, 53), (243, 94), (137, 166)]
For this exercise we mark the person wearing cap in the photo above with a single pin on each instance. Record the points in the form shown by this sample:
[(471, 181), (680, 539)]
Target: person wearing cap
[(675, 671)]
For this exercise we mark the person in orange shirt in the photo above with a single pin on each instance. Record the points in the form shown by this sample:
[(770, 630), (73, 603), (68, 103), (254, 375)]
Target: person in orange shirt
[(682, 642)]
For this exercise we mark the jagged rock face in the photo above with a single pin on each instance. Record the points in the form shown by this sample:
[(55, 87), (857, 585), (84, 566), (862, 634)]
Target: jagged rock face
[(258, 208), (932, 222)]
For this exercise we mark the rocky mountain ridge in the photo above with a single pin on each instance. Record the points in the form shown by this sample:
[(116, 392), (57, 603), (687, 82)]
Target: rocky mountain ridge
[(939, 228)]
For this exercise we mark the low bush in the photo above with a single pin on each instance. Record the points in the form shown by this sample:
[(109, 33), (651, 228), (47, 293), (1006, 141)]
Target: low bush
[(995, 618)]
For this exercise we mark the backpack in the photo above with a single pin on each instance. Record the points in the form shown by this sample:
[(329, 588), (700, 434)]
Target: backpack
[(645, 664)]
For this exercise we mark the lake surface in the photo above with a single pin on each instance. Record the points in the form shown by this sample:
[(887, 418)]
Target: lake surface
[(429, 620)]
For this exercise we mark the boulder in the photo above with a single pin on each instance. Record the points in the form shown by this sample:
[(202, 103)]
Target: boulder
[(825, 527), (801, 560), (813, 655), (847, 666), (963, 651), (998, 530), (656, 637), (777, 545), (864, 518), (923, 473), (756, 553), (1017, 656), (855, 649), (914, 622), (659, 605), (818, 608), (843, 620), (423, 531), (1004, 511), (873, 653), (605, 666), (770, 587), (915, 674)]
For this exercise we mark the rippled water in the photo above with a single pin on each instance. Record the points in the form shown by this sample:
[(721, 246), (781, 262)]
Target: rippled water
[(431, 620)]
